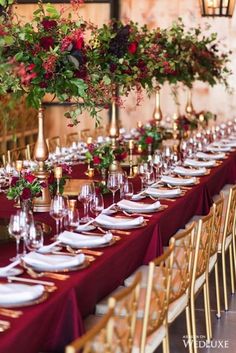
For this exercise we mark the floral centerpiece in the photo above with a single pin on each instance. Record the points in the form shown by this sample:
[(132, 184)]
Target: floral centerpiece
[(203, 117), (150, 136), (103, 156), (184, 125), (47, 56), (52, 181), (25, 187)]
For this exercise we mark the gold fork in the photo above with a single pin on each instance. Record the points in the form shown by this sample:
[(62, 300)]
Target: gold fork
[(10, 313), (4, 325), (58, 276)]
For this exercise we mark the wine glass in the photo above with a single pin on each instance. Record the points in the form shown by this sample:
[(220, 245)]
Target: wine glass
[(26, 219), (141, 173), (34, 239), (14, 229), (157, 163), (97, 204), (113, 184), (122, 179), (57, 211), (128, 191), (71, 220), (85, 196)]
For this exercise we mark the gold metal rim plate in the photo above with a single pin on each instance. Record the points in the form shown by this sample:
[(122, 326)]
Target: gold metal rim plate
[(38, 300), (85, 264)]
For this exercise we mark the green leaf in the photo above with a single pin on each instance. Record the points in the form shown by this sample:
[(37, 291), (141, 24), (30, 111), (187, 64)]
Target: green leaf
[(106, 80), (52, 11)]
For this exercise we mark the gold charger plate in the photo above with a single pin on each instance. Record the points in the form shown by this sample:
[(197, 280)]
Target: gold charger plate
[(38, 300), (85, 264), (119, 228), (114, 240), (145, 212)]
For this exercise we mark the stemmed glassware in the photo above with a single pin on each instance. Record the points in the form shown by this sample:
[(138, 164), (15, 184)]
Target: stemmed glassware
[(122, 179), (57, 211), (85, 196), (14, 229), (71, 220), (128, 190), (113, 184), (34, 239), (141, 173), (157, 164), (26, 220), (97, 204)]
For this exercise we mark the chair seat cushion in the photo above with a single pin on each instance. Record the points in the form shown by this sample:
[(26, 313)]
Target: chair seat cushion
[(177, 307)]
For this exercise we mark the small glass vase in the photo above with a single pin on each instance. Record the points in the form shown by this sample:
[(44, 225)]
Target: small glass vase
[(26, 205)]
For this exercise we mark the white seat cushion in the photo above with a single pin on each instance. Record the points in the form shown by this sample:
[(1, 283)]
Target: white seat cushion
[(227, 243), (212, 262), (177, 307), (144, 271), (101, 307)]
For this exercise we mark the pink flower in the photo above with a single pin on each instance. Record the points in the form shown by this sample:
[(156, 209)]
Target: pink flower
[(47, 42), (30, 67), (50, 63), (132, 47), (149, 140), (96, 160), (48, 24)]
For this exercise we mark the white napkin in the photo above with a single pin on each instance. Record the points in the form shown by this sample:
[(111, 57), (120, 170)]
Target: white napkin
[(14, 293), (138, 206), (221, 148), (208, 156), (53, 262), (162, 193), (112, 221), (80, 240), (177, 181), (193, 163), (5, 269), (190, 172)]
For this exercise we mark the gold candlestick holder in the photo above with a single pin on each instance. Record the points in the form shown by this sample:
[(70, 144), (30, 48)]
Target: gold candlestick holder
[(157, 114), (19, 166), (58, 176), (131, 147)]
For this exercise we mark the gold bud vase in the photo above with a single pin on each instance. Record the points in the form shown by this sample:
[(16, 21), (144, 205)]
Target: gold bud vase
[(42, 203), (189, 105), (114, 126), (157, 114)]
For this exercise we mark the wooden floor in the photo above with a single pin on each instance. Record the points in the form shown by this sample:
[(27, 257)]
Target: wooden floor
[(224, 329)]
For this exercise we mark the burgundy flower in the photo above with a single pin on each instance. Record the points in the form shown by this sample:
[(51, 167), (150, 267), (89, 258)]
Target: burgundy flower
[(44, 185), (91, 147), (121, 156), (48, 75), (30, 178), (51, 178), (132, 47), (26, 194), (31, 67), (82, 73), (70, 125), (141, 65), (47, 42), (113, 67), (48, 24), (149, 140), (96, 160), (43, 84), (14, 180)]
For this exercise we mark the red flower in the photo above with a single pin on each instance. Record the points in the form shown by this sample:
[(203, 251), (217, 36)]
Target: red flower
[(48, 75), (132, 48), (46, 42), (96, 160), (78, 43), (48, 24), (121, 156), (149, 140), (26, 194), (43, 84), (113, 67), (82, 73), (91, 147), (30, 178), (14, 180), (31, 67), (51, 178)]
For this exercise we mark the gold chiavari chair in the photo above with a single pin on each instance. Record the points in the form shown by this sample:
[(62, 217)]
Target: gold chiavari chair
[(227, 241), (98, 339), (152, 327), (84, 134), (4, 160), (53, 142), (72, 137), (16, 154), (30, 151), (202, 248), (124, 302)]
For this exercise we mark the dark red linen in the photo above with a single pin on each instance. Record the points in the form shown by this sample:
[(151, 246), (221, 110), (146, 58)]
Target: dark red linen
[(49, 326)]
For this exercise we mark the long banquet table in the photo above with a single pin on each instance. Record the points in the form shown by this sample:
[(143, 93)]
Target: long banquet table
[(49, 326)]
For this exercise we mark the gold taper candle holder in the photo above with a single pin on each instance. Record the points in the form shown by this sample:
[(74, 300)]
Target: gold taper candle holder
[(157, 114), (131, 147), (114, 126), (189, 105), (19, 166), (58, 176)]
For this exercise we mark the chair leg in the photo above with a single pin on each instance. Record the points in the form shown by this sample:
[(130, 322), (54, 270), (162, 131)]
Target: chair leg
[(218, 313), (234, 254), (206, 313), (193, 321), (231, 269), (165, 344), (189, 330), (224, 280), (208, 307)]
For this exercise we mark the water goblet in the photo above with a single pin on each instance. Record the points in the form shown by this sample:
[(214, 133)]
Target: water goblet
[(71, 220), (57, 211), (34, 239), (128, 191), (85, 196), (97, 204), (113, 184), (14, 229)]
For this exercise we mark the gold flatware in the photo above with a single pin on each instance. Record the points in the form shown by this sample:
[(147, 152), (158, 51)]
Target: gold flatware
[(137, 214), (84, 251), (57, 276), (10, 313), (114, 231), (4, 325), (31, 281)]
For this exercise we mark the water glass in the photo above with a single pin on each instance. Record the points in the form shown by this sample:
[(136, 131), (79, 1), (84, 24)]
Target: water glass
[(14, 229), (34, 239), (57, 211), (71, 220), (85, 196), (97, 204), (113, 184), (128, 191)]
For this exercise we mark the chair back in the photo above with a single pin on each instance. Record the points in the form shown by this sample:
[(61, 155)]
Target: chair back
[(72, 137), (218, 212), (96, 340), (125, 305), (53, 142), (157, 294), (16, 154), (230, 214), (30, 151), (182, 262), (202, 247)]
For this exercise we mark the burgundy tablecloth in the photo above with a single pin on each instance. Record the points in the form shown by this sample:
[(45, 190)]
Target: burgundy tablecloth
[(49, 326)]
